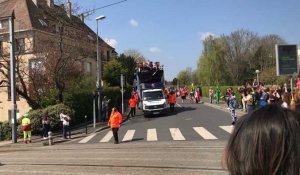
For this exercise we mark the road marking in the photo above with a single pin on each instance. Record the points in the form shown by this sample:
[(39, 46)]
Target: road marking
[(107, 137), (176, 134), (228, 129), (178, 105), (151, 135), (128, 136), (204, 133), (86, 139)]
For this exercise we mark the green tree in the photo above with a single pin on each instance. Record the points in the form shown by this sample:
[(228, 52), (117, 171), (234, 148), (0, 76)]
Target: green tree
[(129, 64), (112, 71), (210, 68), (184, 77)]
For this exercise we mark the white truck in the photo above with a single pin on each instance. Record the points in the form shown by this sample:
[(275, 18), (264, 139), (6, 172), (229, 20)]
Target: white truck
[(150, 86)]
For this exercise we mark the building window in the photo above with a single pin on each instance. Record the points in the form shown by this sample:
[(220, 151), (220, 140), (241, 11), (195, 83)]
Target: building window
[(59, 29), (88, 68), (108, 55), (36, 64), (20, 45), (3, 24), (43, 23), (1, 47)]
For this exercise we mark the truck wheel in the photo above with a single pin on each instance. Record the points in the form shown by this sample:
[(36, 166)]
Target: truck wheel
[(146, 116)]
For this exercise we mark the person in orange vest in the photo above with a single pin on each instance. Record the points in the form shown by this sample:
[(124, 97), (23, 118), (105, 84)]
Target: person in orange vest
[(132, 103), (136, 97), (172, 100), (26, 126), (114, 123)]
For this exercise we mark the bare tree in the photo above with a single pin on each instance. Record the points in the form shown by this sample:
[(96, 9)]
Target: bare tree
[(239, 48), (138, 56)]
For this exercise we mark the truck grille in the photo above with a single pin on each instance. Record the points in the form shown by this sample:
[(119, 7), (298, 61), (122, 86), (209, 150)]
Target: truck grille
[(155, 107)]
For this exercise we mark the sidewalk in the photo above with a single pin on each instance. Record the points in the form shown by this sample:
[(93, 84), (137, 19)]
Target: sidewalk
[(222, 106), (75, 132)]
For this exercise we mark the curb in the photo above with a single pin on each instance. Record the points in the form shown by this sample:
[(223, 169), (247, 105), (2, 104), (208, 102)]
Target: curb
[(239, 113)]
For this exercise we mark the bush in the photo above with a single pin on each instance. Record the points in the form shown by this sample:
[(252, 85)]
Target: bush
[(223, 91), (36, 117), (5, 131)]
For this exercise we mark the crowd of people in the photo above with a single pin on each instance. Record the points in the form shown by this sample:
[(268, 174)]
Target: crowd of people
[(257, 95)]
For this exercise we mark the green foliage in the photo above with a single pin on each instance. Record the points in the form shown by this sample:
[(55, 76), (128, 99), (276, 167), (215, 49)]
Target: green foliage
[(184, 77), (36, 117), (49, 99), (115, 95), (112, 72), (122, 65), (223, 91), (211, 68), (5, 130), (80, 97), (129, 63), (233, 59), (175, 81)]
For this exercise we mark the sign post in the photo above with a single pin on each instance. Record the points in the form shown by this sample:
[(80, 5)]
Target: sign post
[(286, 60)]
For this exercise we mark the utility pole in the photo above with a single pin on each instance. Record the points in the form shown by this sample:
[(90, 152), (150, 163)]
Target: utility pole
[(13, 77), (122, 92)]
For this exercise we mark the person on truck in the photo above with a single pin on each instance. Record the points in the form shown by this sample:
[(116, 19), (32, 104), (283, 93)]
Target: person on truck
[(172, 100)]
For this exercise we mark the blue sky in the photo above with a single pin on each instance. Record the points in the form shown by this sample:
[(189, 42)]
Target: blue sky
[(171, 31)]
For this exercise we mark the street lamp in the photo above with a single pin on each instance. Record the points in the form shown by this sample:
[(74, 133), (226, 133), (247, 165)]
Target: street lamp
[(98, 83), (257, 78)]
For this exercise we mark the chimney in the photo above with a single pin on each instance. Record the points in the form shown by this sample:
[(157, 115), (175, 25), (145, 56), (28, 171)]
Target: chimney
[(69, 9), (50, 3), (81, 17)]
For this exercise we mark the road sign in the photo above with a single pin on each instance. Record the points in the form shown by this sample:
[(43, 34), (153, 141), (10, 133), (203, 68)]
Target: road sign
[(286, 59)]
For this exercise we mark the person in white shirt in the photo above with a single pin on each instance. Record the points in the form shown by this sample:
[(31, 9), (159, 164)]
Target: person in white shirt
[(66, 123)]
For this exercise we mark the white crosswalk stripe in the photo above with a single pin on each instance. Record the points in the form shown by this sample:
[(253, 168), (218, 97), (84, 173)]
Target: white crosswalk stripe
[(228, 129), (88, 138), (176, 134), (151, 135), (107, 137), (128, 136), (204, 133)]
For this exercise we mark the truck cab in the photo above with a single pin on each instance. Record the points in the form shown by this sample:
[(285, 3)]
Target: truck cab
[(154, 102)]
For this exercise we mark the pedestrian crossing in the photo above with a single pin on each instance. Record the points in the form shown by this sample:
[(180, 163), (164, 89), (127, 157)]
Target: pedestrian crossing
[(152, 135)]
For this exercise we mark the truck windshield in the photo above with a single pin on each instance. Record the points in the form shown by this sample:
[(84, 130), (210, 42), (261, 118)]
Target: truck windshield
[(153, 95)]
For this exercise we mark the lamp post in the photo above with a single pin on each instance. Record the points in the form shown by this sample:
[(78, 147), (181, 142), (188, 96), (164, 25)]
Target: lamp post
[(257, 78), (98, 83)]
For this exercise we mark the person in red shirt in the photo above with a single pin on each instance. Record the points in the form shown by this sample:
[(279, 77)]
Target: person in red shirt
[(136, 97), (172, 100), (298, 83), (114, 123), (132, 103)]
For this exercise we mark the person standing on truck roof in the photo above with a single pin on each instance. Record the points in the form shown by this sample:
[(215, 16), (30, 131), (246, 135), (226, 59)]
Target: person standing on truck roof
[(172, 100), (132, 103)]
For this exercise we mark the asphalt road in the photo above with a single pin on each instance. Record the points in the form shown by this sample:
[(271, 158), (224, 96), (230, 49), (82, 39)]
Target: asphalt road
[(155, 158), (190, 141), (189, 122)]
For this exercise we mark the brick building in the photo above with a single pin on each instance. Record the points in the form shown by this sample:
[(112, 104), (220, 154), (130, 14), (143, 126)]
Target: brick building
[(40, 25)]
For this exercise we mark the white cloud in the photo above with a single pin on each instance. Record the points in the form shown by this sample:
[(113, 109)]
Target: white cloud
[(133, 23), (205, 35), (112, 42), (154, 50)]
